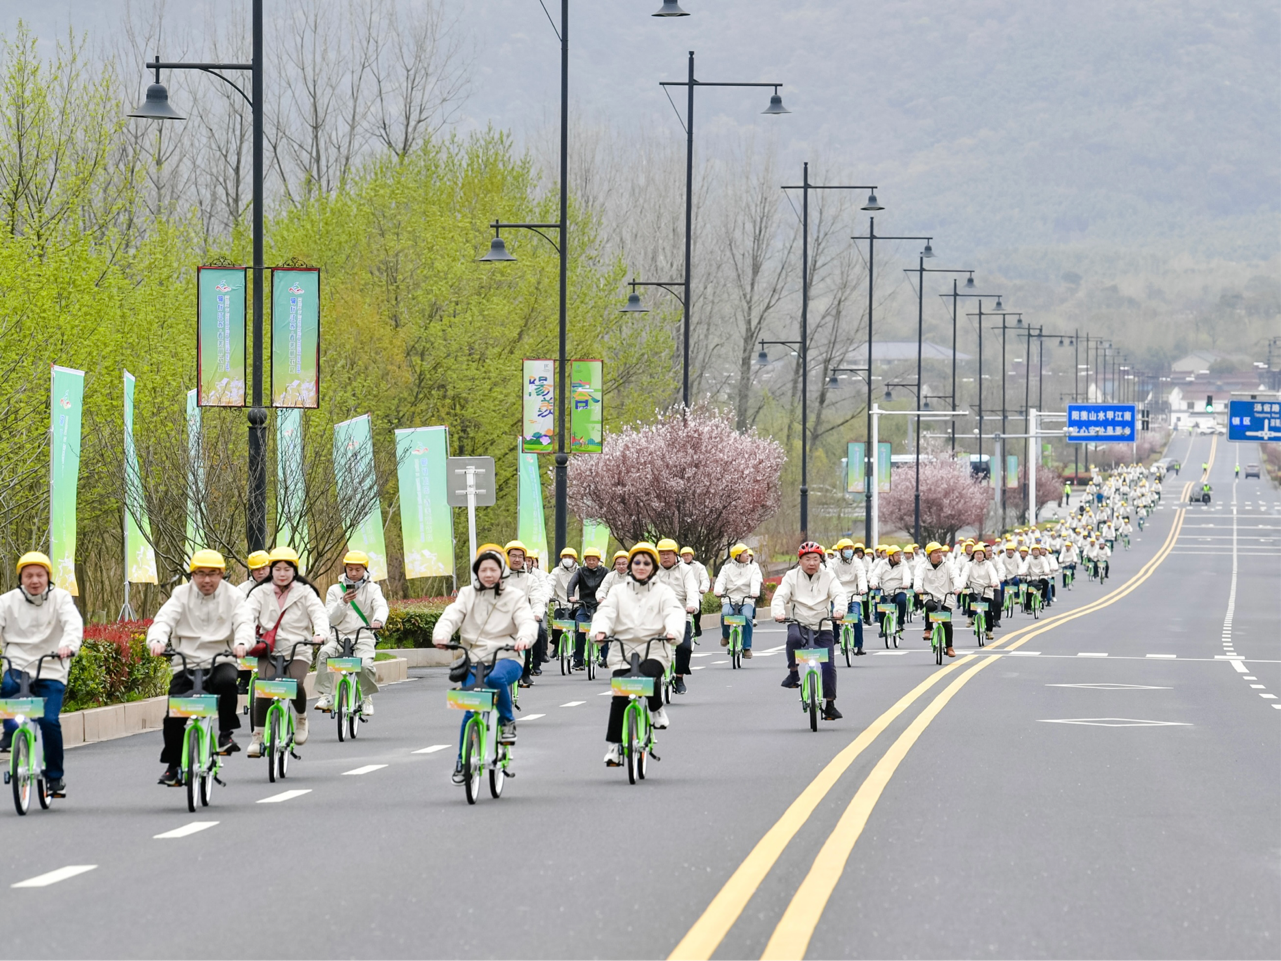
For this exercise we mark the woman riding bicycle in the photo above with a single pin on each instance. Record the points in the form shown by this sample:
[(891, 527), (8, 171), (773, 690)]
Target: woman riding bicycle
[(635, 612), (356, 601), (981, 578), (286, 610), (814, 595), (936, 584), (738, 584)]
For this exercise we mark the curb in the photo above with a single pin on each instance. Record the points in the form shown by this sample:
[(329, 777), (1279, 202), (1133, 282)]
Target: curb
[(139, 717)]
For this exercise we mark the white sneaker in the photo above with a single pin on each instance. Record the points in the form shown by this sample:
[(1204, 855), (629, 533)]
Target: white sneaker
[(300, 730), (660, 719), (367, 706), (326, 703), (255, 745), (614, 756)]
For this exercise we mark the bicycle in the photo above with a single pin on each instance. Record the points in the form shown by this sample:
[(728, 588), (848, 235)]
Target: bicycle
[(200, 764), (1069, 575), (348, 706), (1125, 539), (477, 756), (889, 623), (565, 647), (278, 742), (812, 675), (591, 650), (249, 664), (638, 725), (26, 762), (979, 607), (938, 638), (734, 648), (847, 642), (1034, 601)]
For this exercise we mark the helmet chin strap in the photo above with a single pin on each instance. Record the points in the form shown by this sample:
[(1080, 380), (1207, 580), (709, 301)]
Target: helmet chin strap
[(36, 600)]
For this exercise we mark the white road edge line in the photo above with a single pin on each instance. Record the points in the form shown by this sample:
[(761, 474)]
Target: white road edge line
[(1089, 654), (194, 827), (285, 796), (364, 770), (53, 877), (1163, 656), (430, 750)]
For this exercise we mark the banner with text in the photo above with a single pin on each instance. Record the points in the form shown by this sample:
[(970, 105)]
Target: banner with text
[(596, 534), (295, 337), (140, 559), (884, 466), (195, 476), (426, 520), (358, 491), (291, 484), (539, 431), (585, 419), (855, 469), (221, 294), (531, 520), (1011, 470), (1100, 423), (65, 410)]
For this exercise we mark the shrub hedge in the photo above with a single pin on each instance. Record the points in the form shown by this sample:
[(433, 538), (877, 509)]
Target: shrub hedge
[(410, 623), (113, 667)]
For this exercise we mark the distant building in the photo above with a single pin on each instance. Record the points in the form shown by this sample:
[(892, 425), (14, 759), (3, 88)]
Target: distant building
[(1197, 361)]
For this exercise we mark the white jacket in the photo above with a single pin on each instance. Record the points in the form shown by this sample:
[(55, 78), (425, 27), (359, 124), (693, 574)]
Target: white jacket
[(681, 579), (533, 587), (739, 581), (634, 613), (935, 583), (893, 578), (486, 621), (700, 575), (612, 580), (852, 575), (370, 600), (304, 616), (30, 631), (200, 627), (809, 600), (560, 583), (980, 577)]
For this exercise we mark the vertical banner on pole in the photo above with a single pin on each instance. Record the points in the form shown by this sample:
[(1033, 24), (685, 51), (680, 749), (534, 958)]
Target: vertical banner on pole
[(595, 534), (195, 475), (140, 559), (291, 484), (295, 337), (426, 520), (358, 491), (221, 297), (531, 521), (855, 469), (66, 406), (539, 431), (1011, 470), (585, 419), (884, 466), (1047, 455)]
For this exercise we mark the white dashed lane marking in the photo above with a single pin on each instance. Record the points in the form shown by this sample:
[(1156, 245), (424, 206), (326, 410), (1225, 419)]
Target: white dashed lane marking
[(53, 877), (532, 717), (285, 796), (431, 750), (573, 703), (195, 827), (364, 770)]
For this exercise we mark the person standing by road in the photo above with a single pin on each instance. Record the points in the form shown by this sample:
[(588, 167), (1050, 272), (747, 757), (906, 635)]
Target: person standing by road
[(808, 594), (356, 601)]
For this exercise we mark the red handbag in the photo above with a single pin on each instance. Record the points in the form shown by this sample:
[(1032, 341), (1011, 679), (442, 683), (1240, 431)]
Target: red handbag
[(266, 641)]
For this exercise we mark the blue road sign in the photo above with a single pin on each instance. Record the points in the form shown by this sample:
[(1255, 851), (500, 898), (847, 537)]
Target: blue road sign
[(1251, 420), (1101, 423)]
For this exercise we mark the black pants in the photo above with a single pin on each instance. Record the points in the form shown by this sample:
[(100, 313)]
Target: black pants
[(932, 605), (298, 670), (796, 640), (618, 705), (535, 653), (683, 651), (222, 682), (698, 624)]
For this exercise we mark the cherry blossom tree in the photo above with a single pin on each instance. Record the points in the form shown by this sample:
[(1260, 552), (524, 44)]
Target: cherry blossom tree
[(690, 476), (950, 499), (1049, 488)]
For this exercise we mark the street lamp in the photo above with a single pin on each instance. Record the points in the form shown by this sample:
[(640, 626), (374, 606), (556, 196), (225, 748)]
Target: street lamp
[(957, 295), (634, 304), (157, 107), (670, 8), (775, 108), (833, 380)]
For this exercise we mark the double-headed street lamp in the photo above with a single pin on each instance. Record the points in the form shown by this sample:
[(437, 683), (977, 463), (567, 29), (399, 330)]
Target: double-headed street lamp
[(156, 107), (774, 109)]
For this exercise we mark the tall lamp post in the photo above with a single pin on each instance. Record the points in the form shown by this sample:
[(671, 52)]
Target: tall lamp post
[(802, 356), (805, 187), (156, 107), (774, 109), (1004, 404)]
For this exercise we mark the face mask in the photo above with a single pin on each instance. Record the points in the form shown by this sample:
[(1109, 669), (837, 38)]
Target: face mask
[(567, 563), (847, 554)]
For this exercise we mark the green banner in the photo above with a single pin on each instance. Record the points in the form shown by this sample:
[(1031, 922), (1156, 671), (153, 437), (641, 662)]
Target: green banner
[(195, 476), (855, 469), (291, 484), (295, 338), (220, 336), (585, 430), (884, 466), (140, 559), (538, 433), (358, 491), (65, 409), (595, 534), (531, 520), (1047, 455), (1011, 470), (426, 520)]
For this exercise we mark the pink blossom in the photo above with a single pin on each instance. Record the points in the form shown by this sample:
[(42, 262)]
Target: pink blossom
[(950, 499)]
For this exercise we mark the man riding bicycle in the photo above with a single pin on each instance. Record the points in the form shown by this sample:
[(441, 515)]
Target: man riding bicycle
[(811, 593), (852, 574)]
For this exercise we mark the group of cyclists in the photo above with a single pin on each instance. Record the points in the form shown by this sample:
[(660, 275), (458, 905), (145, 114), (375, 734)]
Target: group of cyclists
[(647, 603)]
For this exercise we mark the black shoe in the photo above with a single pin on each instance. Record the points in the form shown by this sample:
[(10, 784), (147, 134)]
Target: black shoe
[(579, 666), (56, 787), (172, 777), (537, 672), (6, 741), (860, 652), (526, 682), (227, 744), (830, 713), (601, 663), (792, 680), (457, 777), (678, 686)]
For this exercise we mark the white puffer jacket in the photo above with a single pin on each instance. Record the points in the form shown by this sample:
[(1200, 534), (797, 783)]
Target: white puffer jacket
[(852, 575), (200, 627), (30, 631), (303, 616), (739, 581), (634, 614), (807, 599), (370, 600)]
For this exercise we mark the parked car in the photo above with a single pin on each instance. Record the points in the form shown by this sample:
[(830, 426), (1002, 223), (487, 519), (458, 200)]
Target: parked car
[(1251, 470)]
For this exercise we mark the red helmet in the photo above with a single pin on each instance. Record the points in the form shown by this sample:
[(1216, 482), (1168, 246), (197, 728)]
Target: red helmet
[(810, 547)]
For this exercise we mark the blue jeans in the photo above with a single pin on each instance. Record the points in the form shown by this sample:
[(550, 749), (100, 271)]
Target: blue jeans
[(582, 616), (505, 672), (855, 614), (748, 610), (50, 726), (900, 601)]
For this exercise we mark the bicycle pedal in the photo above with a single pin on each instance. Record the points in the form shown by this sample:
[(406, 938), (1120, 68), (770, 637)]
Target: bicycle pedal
[(653, 756), (219, 780), (295, 755), (6, 777), (509, 773)]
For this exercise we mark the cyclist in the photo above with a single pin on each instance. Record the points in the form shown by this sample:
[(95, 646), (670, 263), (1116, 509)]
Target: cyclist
[(1040, 574), (259, 571), (738, 584), (813, 593), (545, 582), (37, 618), (615, 575), (285, 610), (895, 581), (582, 588), (704, 585), (521, 577), (560, 578), (487, 615), (641, 607), (982, 579), (936, 583), (1067, 559), (356, 601), (200, 619), (852, 574), (681, 579)]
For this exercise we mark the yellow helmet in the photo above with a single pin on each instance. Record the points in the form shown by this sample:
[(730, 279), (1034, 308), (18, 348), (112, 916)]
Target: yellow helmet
[(208, 559), (933, 546), (515, 546), (35, 557), (283, 554), (858, 546), (356, 557), (687, 550), (843, 543), (618, 554), (593, 552), (258, 559), (737, 549), (945, 549), (894, 549), (569, 552), (667, 544), (882, 547), (489, 549), (643, 547)]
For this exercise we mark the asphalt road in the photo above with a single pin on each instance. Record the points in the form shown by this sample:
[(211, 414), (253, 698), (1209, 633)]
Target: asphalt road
[(1097, 785)]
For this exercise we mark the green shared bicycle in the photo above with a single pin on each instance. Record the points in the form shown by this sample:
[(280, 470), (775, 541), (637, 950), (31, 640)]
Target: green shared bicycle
[(1033, 602), (889, 622), (734, 647), (482, 751), (278, 730), (26, 762), (201, 763), (847, 641), (565, 647), (809, 660), (638, 725), (348, 706), (979, 607), (591, 650), (938, 637)]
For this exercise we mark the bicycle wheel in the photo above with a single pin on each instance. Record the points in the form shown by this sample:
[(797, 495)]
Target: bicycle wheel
[(340, 709), (813, 701), (632, 746), (847, 645), (42, 794), (497, 773), (272, 744), (208, 769), (591, 663), (887, 628), (896, 633), (642, 759), (566, 664), (938, 643), (353, 725), (193, 765), (19, 777), (286, 745), (979, 628), (472, 761), (667, 690)]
